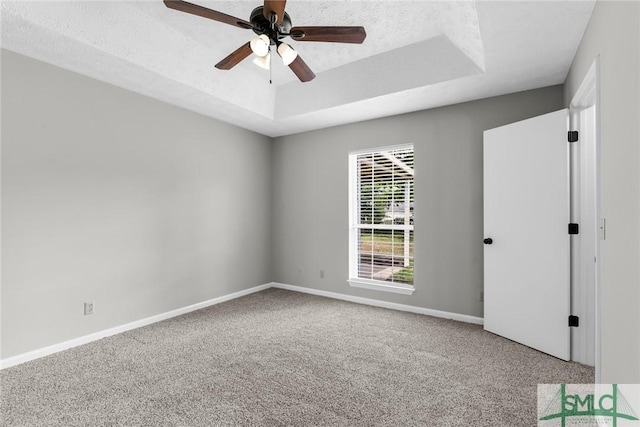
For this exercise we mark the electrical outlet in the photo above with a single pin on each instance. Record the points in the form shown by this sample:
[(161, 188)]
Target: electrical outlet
[(322, 274), (88, 308), (481, 299)]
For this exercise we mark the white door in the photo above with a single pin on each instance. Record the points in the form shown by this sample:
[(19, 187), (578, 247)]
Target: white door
[(526, 216)]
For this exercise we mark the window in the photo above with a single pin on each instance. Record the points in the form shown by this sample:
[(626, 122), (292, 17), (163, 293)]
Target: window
[(381, 219)]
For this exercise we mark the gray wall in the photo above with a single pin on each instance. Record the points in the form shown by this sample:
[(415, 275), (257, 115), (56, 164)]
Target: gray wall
[(310, 194), (613, 34), (113, 197)]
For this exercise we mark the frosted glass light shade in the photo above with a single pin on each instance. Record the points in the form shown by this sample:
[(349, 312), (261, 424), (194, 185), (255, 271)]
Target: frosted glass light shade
[(263, 61), (287, 53), (260, 45)]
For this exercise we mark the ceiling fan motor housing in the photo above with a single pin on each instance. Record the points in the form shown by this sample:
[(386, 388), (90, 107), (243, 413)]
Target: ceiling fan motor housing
[(261, 25)]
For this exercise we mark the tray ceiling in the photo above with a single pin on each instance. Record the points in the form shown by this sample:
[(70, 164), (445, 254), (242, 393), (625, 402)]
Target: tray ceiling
[(417, 55)]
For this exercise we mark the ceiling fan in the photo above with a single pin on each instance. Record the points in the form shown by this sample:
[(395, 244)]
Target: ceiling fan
[(271, 24)]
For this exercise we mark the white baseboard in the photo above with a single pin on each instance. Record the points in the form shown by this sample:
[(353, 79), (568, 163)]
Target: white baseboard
[(55, 348), (384, 304)]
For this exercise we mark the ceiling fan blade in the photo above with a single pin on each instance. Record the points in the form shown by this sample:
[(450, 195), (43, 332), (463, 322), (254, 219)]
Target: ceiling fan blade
[(274, 6), (234, 57), (328, 34), (302, 70), (194, 9)]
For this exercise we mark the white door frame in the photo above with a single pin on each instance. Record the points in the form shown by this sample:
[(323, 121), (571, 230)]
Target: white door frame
[(585, 118)]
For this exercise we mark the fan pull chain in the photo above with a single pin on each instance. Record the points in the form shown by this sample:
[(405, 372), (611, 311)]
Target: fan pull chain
[(270, 65), (272, 20)]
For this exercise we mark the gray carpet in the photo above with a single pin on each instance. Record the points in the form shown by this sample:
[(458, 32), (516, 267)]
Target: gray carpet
[(286, 358)]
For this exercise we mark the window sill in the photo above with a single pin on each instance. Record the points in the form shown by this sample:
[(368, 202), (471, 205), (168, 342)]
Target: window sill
[(379, 285)]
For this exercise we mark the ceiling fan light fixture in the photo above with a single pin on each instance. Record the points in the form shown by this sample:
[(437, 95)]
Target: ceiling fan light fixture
[(271, 23), (263, 61), (260, 45), (287, 53)]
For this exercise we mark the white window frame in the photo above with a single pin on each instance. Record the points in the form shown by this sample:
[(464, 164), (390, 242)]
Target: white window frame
[(354, 226)]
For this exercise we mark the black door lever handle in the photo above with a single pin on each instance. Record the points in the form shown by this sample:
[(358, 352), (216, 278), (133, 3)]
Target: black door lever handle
[(488, 241)]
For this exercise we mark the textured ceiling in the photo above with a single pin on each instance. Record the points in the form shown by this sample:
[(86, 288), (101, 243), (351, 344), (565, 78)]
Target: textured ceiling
[(417, 55)]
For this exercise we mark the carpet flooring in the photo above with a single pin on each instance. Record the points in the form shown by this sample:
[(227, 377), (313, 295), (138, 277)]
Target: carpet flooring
[(285, 358)]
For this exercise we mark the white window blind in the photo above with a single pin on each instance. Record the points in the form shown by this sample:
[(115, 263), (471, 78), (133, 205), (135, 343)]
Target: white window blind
[(381, 241)]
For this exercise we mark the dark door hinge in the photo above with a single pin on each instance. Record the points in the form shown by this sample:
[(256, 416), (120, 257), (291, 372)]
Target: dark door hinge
[(573, 135), (574, 228), (574, 321)]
